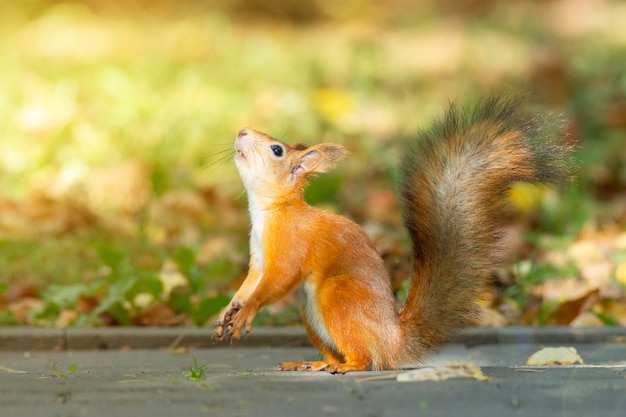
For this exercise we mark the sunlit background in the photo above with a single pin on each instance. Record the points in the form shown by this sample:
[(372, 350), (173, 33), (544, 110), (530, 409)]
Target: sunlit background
[(119, 202)]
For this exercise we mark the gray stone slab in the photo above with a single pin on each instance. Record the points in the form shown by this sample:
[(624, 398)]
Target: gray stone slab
[(32, 338), (242, 382), (29, 338)]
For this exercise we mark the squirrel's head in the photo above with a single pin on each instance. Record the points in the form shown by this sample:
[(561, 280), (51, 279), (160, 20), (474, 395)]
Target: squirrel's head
[(271, 169)]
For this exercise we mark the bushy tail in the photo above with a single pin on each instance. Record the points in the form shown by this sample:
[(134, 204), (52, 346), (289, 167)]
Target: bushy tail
[(455, 182)]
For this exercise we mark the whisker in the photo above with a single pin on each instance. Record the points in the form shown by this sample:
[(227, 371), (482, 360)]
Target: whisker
[(222, 155), (226, 149), (218, 163), (223, 149), (241, 194), (222, 152), (224, 144)]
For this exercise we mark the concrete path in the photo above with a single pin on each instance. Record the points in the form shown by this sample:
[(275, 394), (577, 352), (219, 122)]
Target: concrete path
[(146, 379)]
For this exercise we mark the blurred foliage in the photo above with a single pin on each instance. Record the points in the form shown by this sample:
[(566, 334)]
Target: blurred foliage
[(119, 203)]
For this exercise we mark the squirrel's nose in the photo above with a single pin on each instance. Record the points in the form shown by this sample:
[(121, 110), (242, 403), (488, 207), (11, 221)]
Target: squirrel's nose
[(243, 132)]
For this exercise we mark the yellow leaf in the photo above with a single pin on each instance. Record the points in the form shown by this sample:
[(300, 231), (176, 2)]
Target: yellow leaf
[(333, 103), (525, 197), (620, 273)]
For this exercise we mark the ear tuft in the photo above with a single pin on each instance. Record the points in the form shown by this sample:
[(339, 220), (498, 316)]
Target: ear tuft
[(319, 158)]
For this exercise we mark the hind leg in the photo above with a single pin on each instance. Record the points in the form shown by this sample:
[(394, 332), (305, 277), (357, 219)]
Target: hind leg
[(331, 359), (350, 359)]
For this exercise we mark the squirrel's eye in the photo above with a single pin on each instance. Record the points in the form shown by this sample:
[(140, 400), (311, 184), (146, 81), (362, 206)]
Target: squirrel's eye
[(278, 150)]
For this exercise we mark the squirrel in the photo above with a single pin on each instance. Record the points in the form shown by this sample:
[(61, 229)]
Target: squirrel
[(454, 187)]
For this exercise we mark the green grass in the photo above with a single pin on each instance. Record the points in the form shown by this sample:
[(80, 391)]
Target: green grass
[(196, 372)]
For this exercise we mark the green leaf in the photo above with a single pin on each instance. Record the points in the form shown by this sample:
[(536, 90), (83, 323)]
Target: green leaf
[(111, 256), (180, 300), (159, 179), (185, 259), (7, 318), (146, 282), (66, 296), (116, 294), (119, 313)]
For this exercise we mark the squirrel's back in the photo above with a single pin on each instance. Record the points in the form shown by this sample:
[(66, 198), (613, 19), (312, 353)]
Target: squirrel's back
[(455, 180)]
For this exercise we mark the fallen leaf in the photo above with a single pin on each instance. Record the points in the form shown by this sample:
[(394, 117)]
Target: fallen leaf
[(171, 278), (11, 370), (597, 274), (443, 373), (566, 312), (66, 318), (553, 356), (22, 308), (585, 252), (586, 319), (563, 290), (143, 300)]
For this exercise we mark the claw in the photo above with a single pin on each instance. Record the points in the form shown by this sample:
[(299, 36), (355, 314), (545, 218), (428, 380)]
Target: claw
[(316, 366)]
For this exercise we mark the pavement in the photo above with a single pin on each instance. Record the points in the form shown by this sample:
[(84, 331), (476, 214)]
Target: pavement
[(143, 372)]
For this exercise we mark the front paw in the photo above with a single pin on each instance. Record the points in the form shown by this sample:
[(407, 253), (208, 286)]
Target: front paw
[(243, 318), (225, 320)]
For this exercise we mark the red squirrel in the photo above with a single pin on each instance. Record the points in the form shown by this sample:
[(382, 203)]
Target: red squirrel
[(455, 179)]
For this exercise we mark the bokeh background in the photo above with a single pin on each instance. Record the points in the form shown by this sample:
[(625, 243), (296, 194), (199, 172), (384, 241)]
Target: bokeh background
[(119, 201)]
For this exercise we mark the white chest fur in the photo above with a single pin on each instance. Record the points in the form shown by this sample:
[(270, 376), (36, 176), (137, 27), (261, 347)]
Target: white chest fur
[(313, 316), (257, 217)]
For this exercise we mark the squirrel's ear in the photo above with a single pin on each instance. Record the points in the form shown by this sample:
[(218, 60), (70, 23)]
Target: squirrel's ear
[(319, 158)]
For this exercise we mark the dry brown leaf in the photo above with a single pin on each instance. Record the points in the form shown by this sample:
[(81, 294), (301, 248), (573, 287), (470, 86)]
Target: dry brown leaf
[(17, 290), (39, 215), (586, 319), (597, 274), (567, 312), (22, 308), (66, 318), (563, 290)]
